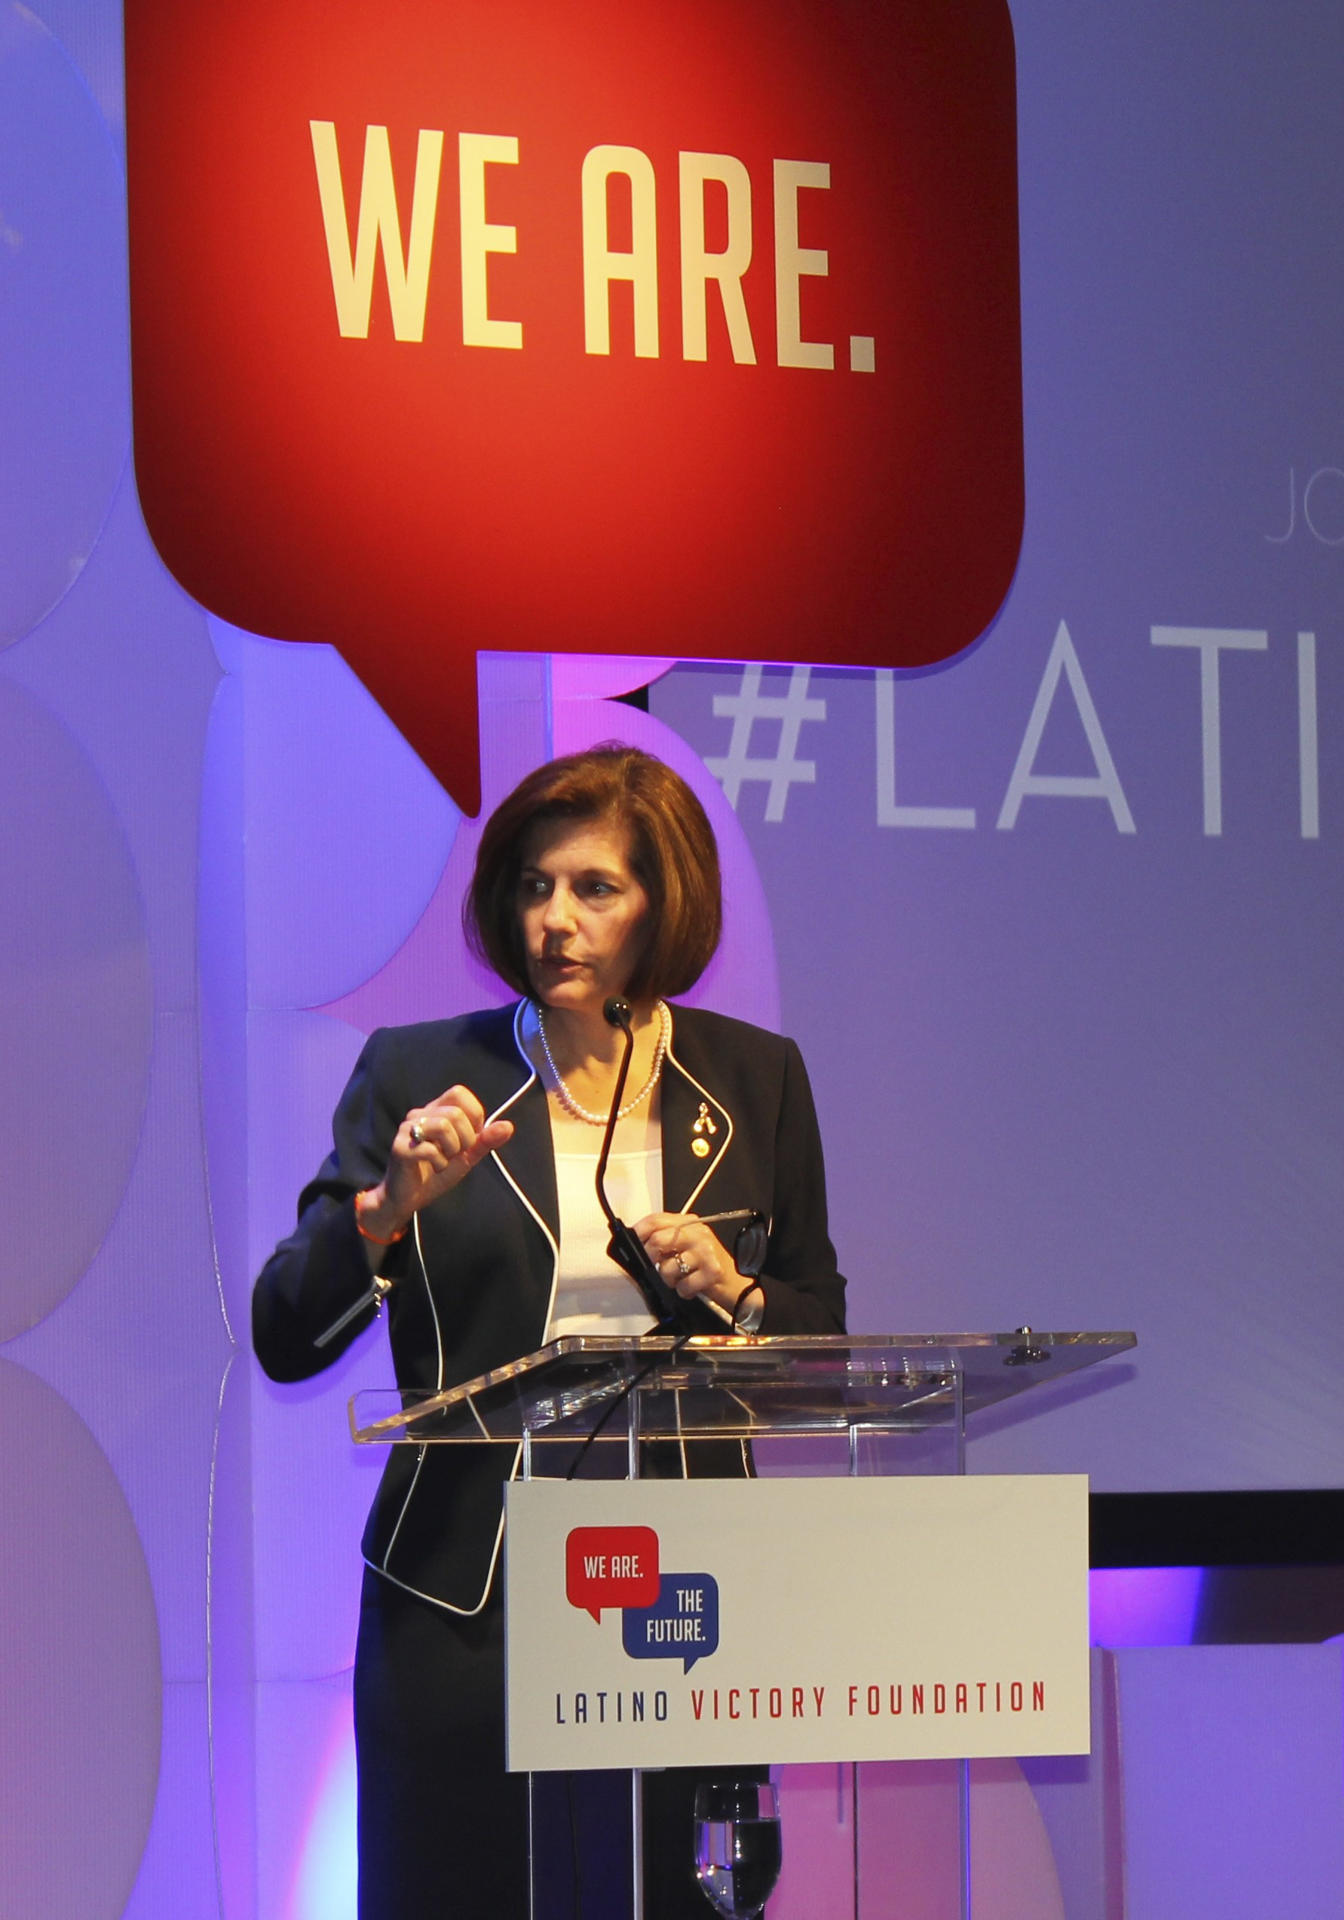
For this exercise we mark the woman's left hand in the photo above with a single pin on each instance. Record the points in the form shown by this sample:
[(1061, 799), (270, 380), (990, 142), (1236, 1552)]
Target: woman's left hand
[(691, 1258)]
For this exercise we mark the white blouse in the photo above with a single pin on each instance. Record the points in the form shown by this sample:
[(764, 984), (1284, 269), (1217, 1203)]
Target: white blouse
[(592, 1295)]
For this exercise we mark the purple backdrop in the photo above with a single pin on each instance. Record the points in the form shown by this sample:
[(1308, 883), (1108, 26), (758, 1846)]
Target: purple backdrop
[(1058, 930)]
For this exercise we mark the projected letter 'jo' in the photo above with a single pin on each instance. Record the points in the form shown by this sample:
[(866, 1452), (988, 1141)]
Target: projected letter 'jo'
[(652, 326)]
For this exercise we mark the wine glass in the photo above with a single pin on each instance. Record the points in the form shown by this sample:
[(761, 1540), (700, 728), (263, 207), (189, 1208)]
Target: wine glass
[(737, 1844)]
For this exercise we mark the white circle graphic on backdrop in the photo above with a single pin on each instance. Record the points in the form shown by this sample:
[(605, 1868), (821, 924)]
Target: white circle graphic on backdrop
[(64, 336), (76, 1009), (79, 1762)]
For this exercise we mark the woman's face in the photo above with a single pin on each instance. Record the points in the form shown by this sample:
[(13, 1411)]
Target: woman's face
[(584, 914)]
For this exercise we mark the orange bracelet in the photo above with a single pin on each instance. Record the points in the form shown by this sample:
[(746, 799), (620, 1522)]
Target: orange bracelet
[(363, 1231)]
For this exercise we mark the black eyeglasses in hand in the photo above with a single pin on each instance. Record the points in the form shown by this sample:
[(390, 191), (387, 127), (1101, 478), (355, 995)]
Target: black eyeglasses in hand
[(749, 1242), (748, 1249)]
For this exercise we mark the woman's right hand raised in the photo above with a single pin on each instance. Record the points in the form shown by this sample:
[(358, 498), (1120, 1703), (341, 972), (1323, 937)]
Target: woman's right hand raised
[(435, 1147)]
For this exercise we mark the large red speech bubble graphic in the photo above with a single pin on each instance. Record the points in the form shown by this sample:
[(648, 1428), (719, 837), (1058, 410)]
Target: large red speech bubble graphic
[(669, 328)]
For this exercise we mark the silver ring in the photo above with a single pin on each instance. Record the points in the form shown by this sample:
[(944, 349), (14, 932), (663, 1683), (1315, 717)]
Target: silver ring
[(682, 1268), (417, 1133)]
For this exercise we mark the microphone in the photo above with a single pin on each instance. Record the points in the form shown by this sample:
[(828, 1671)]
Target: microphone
[(625, 1247)]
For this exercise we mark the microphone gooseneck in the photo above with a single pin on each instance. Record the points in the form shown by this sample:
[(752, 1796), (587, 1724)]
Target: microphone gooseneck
[(617, 1014), (625, 1247)]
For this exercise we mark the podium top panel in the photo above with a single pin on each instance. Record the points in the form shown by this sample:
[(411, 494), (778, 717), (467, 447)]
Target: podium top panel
[(732, 1387)]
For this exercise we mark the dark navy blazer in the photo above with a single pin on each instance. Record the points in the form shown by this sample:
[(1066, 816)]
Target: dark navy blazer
[(474, 1284)]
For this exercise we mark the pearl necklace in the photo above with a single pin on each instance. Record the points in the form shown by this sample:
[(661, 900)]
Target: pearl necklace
[(600, 1119)]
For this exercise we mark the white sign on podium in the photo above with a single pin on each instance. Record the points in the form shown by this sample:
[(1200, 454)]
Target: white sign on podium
[(719, 1622)]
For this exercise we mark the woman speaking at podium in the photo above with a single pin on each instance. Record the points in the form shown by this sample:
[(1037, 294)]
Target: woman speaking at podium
[(461, 1185)]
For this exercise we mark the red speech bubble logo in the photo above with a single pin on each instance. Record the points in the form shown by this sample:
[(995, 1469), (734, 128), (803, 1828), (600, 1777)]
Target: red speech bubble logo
[(611, 1567), (670, 328)]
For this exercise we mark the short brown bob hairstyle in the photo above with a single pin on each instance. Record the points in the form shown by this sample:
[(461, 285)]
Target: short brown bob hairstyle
[(673, 854)]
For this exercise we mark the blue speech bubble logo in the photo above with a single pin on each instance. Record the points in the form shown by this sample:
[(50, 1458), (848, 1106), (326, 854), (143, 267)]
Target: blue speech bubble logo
[(682, 1624)]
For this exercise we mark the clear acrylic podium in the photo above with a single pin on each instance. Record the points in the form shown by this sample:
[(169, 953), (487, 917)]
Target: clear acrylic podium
[(839, 1404)]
